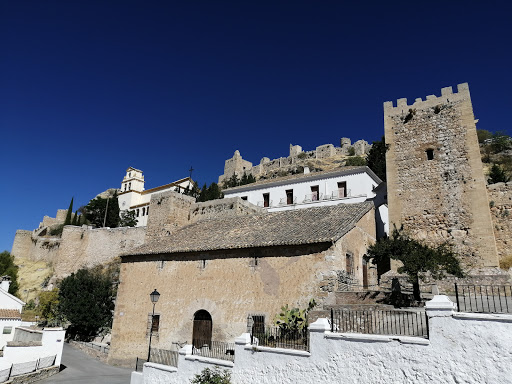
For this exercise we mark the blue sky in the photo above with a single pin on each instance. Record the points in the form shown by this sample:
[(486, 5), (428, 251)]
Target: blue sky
[(89, 88)]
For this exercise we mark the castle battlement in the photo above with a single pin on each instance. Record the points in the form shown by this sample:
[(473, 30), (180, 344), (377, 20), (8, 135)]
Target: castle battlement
[(447, 96)]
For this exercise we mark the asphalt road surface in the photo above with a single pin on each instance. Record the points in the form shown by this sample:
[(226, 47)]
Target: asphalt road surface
[(82, 369)]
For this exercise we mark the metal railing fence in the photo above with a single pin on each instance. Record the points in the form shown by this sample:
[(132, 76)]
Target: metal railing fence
[(484, 298), (380, 322), (26, 367), (214, 349), (276, 337)]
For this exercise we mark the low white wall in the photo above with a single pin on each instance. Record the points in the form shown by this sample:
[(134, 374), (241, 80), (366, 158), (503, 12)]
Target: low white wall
[(463, 348), (52, 342)]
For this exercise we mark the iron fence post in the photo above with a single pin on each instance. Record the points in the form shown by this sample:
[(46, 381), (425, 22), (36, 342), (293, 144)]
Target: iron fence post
[(457, 297), (332, 320)]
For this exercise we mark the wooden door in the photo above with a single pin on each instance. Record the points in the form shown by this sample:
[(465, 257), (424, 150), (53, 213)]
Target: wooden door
[(365, 274), (202, 332)]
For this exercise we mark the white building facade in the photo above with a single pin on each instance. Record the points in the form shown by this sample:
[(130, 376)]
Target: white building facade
[(133, 197), (344, 186)]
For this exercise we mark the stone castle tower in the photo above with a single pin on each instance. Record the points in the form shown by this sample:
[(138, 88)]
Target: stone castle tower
[(436, 185)]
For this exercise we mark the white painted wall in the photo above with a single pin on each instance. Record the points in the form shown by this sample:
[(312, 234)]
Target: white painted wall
[(359, 187), (52, 342), (8, 301), (463, 348), (12, 323)]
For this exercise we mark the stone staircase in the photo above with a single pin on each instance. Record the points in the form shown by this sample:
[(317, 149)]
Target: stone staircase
[(357, 301)]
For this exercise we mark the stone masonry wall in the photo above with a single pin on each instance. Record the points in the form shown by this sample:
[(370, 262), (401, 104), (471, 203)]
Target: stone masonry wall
[(500, 202), (442, 199), (229, 285), (79, 247), (169, 210)]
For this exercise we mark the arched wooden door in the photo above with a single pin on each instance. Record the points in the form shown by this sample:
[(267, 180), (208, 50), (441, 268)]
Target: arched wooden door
[(202, 332)]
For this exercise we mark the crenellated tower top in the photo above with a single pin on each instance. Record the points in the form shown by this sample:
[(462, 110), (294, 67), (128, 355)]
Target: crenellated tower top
[(447, 96)]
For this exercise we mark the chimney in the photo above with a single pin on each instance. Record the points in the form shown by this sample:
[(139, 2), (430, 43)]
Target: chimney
[(6, 282)]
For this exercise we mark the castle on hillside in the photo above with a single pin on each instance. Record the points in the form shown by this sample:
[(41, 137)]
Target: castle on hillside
[(238, 166)]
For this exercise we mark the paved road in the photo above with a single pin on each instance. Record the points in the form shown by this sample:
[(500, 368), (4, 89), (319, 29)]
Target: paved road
[(82, 369)]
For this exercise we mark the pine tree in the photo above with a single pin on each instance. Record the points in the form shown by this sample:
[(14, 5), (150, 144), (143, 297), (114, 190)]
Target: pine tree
[(497, 175)]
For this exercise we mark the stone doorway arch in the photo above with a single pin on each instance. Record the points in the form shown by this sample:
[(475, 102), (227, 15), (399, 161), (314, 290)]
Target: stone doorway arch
[(202, 331)]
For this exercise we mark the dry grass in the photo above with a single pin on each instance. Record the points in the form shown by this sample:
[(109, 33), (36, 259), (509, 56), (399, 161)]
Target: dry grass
[(506, 262), (31, 274)]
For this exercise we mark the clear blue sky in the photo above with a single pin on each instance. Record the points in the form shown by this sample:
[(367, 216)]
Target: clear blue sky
[(89, 88)]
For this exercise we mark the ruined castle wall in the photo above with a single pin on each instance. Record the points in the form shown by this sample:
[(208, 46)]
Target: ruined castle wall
[(443, 198), (222, 208), (22, 244), (238, 165), (83, 247), (500, 202), (169, 210), (28, 246)]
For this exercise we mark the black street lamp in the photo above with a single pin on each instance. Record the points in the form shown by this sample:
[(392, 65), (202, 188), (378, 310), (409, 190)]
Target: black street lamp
[(154, 296)]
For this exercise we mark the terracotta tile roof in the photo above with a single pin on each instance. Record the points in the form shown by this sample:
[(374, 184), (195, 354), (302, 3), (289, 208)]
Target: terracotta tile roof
[(303, 177), (10, 314), (294, 227)]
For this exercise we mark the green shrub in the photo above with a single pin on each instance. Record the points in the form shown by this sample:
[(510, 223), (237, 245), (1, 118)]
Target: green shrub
[(355, 161), (212, 376)]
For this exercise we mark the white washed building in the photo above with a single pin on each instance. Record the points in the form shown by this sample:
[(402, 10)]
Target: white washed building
[(133, 197), (346, 185)]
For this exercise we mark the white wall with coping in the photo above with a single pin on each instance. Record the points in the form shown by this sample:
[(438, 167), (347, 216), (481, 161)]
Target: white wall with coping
[(360, 186), (463, 348), (52, 342)]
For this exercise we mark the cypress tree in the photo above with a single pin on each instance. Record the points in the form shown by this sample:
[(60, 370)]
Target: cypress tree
[(69, 213)]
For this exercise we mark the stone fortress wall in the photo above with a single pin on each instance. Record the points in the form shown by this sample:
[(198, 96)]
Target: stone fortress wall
[(85, 246), (500, 203), (237, 165), (435, 180)]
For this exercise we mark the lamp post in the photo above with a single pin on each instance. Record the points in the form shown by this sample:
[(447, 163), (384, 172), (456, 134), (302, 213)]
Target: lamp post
[(154, 296)]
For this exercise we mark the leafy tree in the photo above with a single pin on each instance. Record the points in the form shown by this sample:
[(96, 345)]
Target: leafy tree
[(48, 308), (376, 158), (7, 267), (497, 175), (483, 135), (355, 161), (128, 219), (69, 214), (351, 151), (416, 258), (86, 301), (212, 376), (95, 212)]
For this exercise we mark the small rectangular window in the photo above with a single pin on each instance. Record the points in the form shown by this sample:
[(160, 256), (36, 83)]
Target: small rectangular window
[(258, 324), (289, 196), (342, 189), (155, 324), (266, 200), (430, 154), (7, 330), (349, 263), (314, 193)]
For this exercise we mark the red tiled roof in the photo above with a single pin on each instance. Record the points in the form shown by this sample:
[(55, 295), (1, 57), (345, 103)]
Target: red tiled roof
[(10, 314)]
